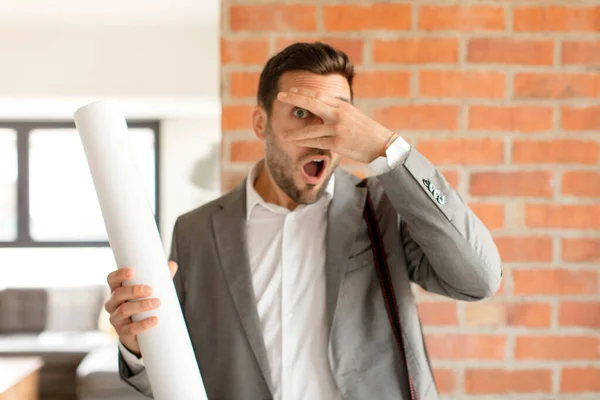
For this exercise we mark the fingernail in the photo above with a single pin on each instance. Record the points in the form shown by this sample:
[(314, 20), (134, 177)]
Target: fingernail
[(281, 95), (294, 90), (155, 302), (147, 290)]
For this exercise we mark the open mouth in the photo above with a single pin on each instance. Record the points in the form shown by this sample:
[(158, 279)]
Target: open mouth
[(313, 169)]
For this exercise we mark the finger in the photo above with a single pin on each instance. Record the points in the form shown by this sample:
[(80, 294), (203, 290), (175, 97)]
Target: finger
[(117, 277), (118, 323), (332, 101), (173, 268), (126, 310), (309, 132), (322, 142), (310, 103), (304, 92), (126, 293), (135, 328), (329, 100)]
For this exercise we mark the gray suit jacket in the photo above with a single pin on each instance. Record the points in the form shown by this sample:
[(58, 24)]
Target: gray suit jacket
[(430, 236)]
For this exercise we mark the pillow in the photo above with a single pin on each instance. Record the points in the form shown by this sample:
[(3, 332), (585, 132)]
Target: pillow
[(74, 308), (23, 310)]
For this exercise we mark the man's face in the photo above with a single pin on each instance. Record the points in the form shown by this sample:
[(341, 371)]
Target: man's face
[(302, 173)]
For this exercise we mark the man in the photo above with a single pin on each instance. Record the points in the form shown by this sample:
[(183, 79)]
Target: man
[(277, 279)]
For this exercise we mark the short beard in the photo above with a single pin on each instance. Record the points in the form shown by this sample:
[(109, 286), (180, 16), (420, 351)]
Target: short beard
[(281, 165)]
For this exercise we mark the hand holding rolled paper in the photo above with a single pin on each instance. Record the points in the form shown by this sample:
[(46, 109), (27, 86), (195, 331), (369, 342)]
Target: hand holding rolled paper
[(122, 305)]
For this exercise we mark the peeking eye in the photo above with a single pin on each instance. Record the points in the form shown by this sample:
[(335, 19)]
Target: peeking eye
[(301, 113)]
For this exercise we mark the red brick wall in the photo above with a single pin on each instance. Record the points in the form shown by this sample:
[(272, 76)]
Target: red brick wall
[(505, 98)]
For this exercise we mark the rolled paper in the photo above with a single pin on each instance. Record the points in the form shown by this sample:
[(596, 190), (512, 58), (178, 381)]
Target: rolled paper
[(133, 235)]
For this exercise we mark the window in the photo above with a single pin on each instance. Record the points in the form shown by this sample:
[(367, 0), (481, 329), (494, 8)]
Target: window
[(8, 184), (50, 219)]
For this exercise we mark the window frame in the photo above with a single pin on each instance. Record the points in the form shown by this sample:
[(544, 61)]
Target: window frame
[(23, 129)]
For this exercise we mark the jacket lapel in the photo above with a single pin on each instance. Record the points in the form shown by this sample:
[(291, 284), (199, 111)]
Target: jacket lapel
[(229, 225), (343, 220)]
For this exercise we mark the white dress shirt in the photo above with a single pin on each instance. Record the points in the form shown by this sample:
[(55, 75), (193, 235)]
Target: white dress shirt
[(286, 252)]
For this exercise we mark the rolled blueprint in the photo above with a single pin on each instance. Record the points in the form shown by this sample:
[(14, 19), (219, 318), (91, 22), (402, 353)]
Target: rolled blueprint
[(169, 358)]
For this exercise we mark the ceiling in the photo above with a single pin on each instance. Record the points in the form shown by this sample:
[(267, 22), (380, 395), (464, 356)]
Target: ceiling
[(99, 13)]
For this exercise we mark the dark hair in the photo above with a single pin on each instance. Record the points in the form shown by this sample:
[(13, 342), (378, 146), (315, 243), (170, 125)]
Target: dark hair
[(317, 57)]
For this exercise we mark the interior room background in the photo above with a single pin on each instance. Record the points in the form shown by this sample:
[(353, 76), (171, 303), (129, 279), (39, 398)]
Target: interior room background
[(503, 96), (160, 61)]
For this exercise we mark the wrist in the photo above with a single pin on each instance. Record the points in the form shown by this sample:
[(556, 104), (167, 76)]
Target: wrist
[(391, 139), (134, 352)]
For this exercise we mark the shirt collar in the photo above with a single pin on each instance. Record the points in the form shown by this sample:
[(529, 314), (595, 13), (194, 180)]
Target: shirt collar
[(253, 198)]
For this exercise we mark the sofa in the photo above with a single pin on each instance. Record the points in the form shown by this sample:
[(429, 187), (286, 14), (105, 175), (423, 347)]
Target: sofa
[(68, 329)]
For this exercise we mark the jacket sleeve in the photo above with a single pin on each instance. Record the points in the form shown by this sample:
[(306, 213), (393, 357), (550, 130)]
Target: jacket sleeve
[(449, 251), (134, 374)]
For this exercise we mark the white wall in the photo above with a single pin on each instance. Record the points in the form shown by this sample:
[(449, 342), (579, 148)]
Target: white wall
[(186, 150), (158, 63)]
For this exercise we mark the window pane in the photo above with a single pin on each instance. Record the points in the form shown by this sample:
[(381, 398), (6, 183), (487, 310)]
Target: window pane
[(63, 202), (8, 185)]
